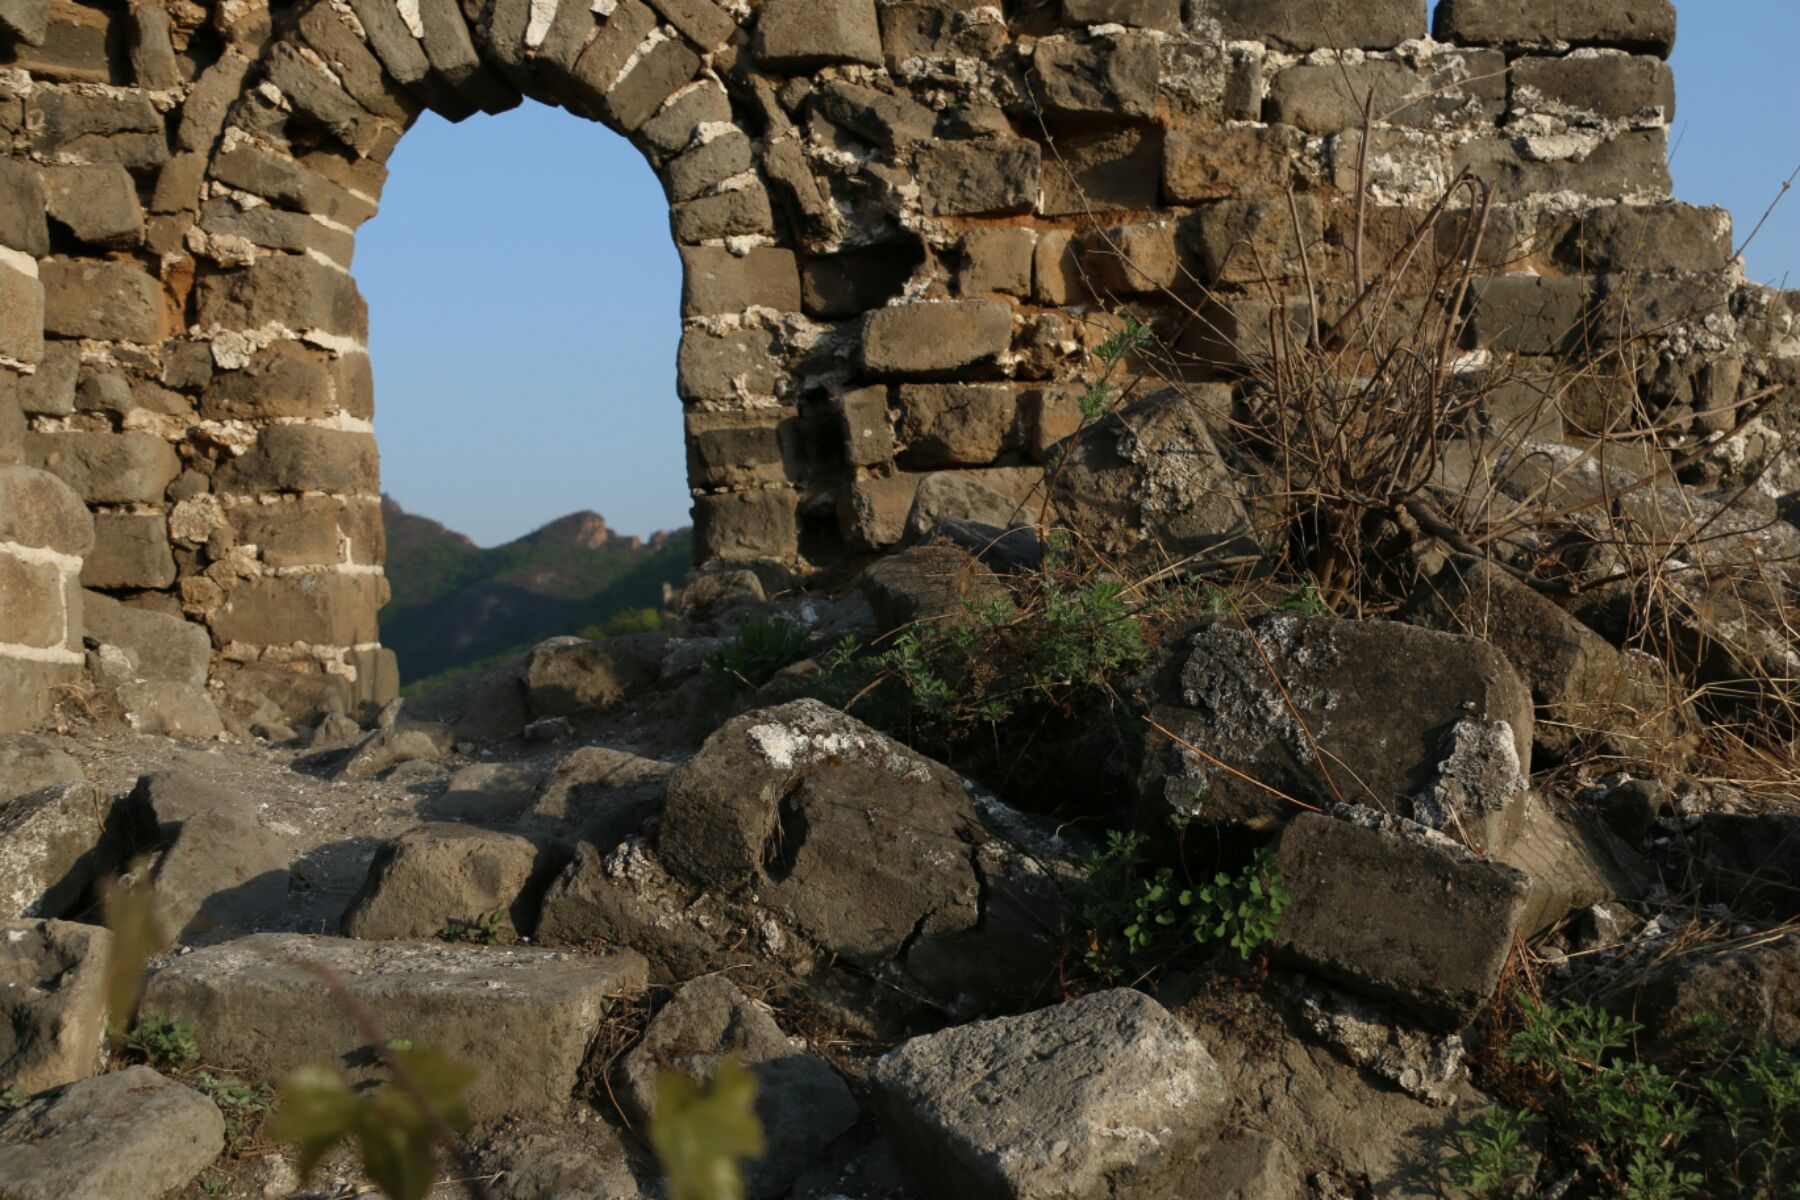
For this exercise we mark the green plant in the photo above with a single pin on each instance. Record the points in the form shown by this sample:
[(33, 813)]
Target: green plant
[(630, 620), (759, 649), (396, 1128), (242, 1105), (1034, 649), (1652, 1131), (483, 929), (1494, 1155), (701, 1134), (1241, 910), (213, 1186), (165, 1044), (15, 1096), (1123, 907)]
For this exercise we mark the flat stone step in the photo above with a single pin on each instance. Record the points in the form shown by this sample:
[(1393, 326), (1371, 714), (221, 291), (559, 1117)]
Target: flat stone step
[(523, 1017)]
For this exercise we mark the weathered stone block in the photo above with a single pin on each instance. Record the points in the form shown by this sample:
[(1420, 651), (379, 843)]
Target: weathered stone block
[(757, 524), (50, 390), (735, 213), (939, 29), (26, 20), (101, 300), (255, 1005), (166, 646), (130, 551), (1112, 74), (328, 31), (70, 126), (107, 468), (1049, 1086), (1528, 314), (735, 449), (673, 129), (873, 511), (996, 260), (704, 23), (32, 594), (978, 178), (128, 1134), (1161, 15), (284, 379), (275, 229), (656, 76), (736, 365), (53, 1003), (287, 290), (322, 610), (1100, 170), (1467, 90), (1397, 911), (1056, 268), (286, 182), (715, 281), (319, 95), (1213, 164), (707, 165), (38, 510), (954, 424), (22, 208), (1131, 258), (1255, 241), (573, 678), (796, 35), (935, 336), (74, 47), (22, 308), (305, 458), (438, 873), (1320, 24), (57, 842), (848, 285), (1646, 26), (1659, 237), (1592, 84), (868, 432), (1633, 164)]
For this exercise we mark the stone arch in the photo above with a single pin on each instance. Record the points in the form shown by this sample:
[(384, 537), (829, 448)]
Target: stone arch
[(898, 220)]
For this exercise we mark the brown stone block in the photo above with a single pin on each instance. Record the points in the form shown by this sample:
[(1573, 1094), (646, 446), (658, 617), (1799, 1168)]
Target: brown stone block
[(304, 458), (112, 301), (715, 281), (1324, 24), (287, 290), (107, 468), (1647, 26), (741, 525), (130, 551), (325, 609), (935, 336)]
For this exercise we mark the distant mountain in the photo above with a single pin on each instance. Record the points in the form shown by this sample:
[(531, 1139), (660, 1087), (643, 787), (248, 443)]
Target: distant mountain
[(454, 603)]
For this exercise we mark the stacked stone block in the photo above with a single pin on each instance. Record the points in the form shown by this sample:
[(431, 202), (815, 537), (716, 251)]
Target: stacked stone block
[(904, 225)]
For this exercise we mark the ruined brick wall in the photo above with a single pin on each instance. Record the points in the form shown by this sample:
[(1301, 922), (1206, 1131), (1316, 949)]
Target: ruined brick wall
[(899, 223)]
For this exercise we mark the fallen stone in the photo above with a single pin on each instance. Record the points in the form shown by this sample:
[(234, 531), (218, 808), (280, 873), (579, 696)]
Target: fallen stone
[(487, 792), (524, 1018), (1397, 911), (935, 584), (224, 874), (1252, 1166), (1586, 692), (1573, 861), (1104, 1096), (1478, 795), (1148, 485), (575, 678), (125, 1136), (872, 851), (595, 1165), (167, 647), (57, 842), (167, 708), (1750, 993), (428, 877), (624, 898), (1377, 700), (173, 796), (393, 741), (1421, 1064), (598, 794), (52, 1002), (29, 763), (801, 1102)]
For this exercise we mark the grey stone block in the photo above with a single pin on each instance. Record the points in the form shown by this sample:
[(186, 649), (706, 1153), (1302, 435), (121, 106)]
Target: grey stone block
[(1112, 74), (39, 510), (796, 35), (22, 208), (113, 301), (131, 550), (53, 1003), (934, 337), (166, 647), (107, 468), (1645, 26), (978, 178), (1321, 24), (523, 1018)]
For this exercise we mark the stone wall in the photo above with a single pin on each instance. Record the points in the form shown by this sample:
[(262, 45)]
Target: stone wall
[(902, 226)]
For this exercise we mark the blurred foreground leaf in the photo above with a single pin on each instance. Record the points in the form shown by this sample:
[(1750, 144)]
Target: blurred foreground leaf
[(700, 1134), (130, 912)]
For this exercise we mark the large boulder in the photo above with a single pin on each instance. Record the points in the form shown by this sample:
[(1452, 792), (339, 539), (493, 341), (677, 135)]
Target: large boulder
[(801, 1102), (1256, 715), (599, 793), (1397, 911), (428, 877), (523, 1018), (1751, 991), (132, 1135), (1104, 1096), (875, 853), (624, 898), (1147, 485), (52, 1002), (224, 874)]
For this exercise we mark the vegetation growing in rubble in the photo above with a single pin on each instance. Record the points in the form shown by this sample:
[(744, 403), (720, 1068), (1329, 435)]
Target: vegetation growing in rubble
[(1721, 1120), (752, 656)]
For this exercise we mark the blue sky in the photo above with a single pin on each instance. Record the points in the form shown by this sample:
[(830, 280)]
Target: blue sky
[(524, 292)]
